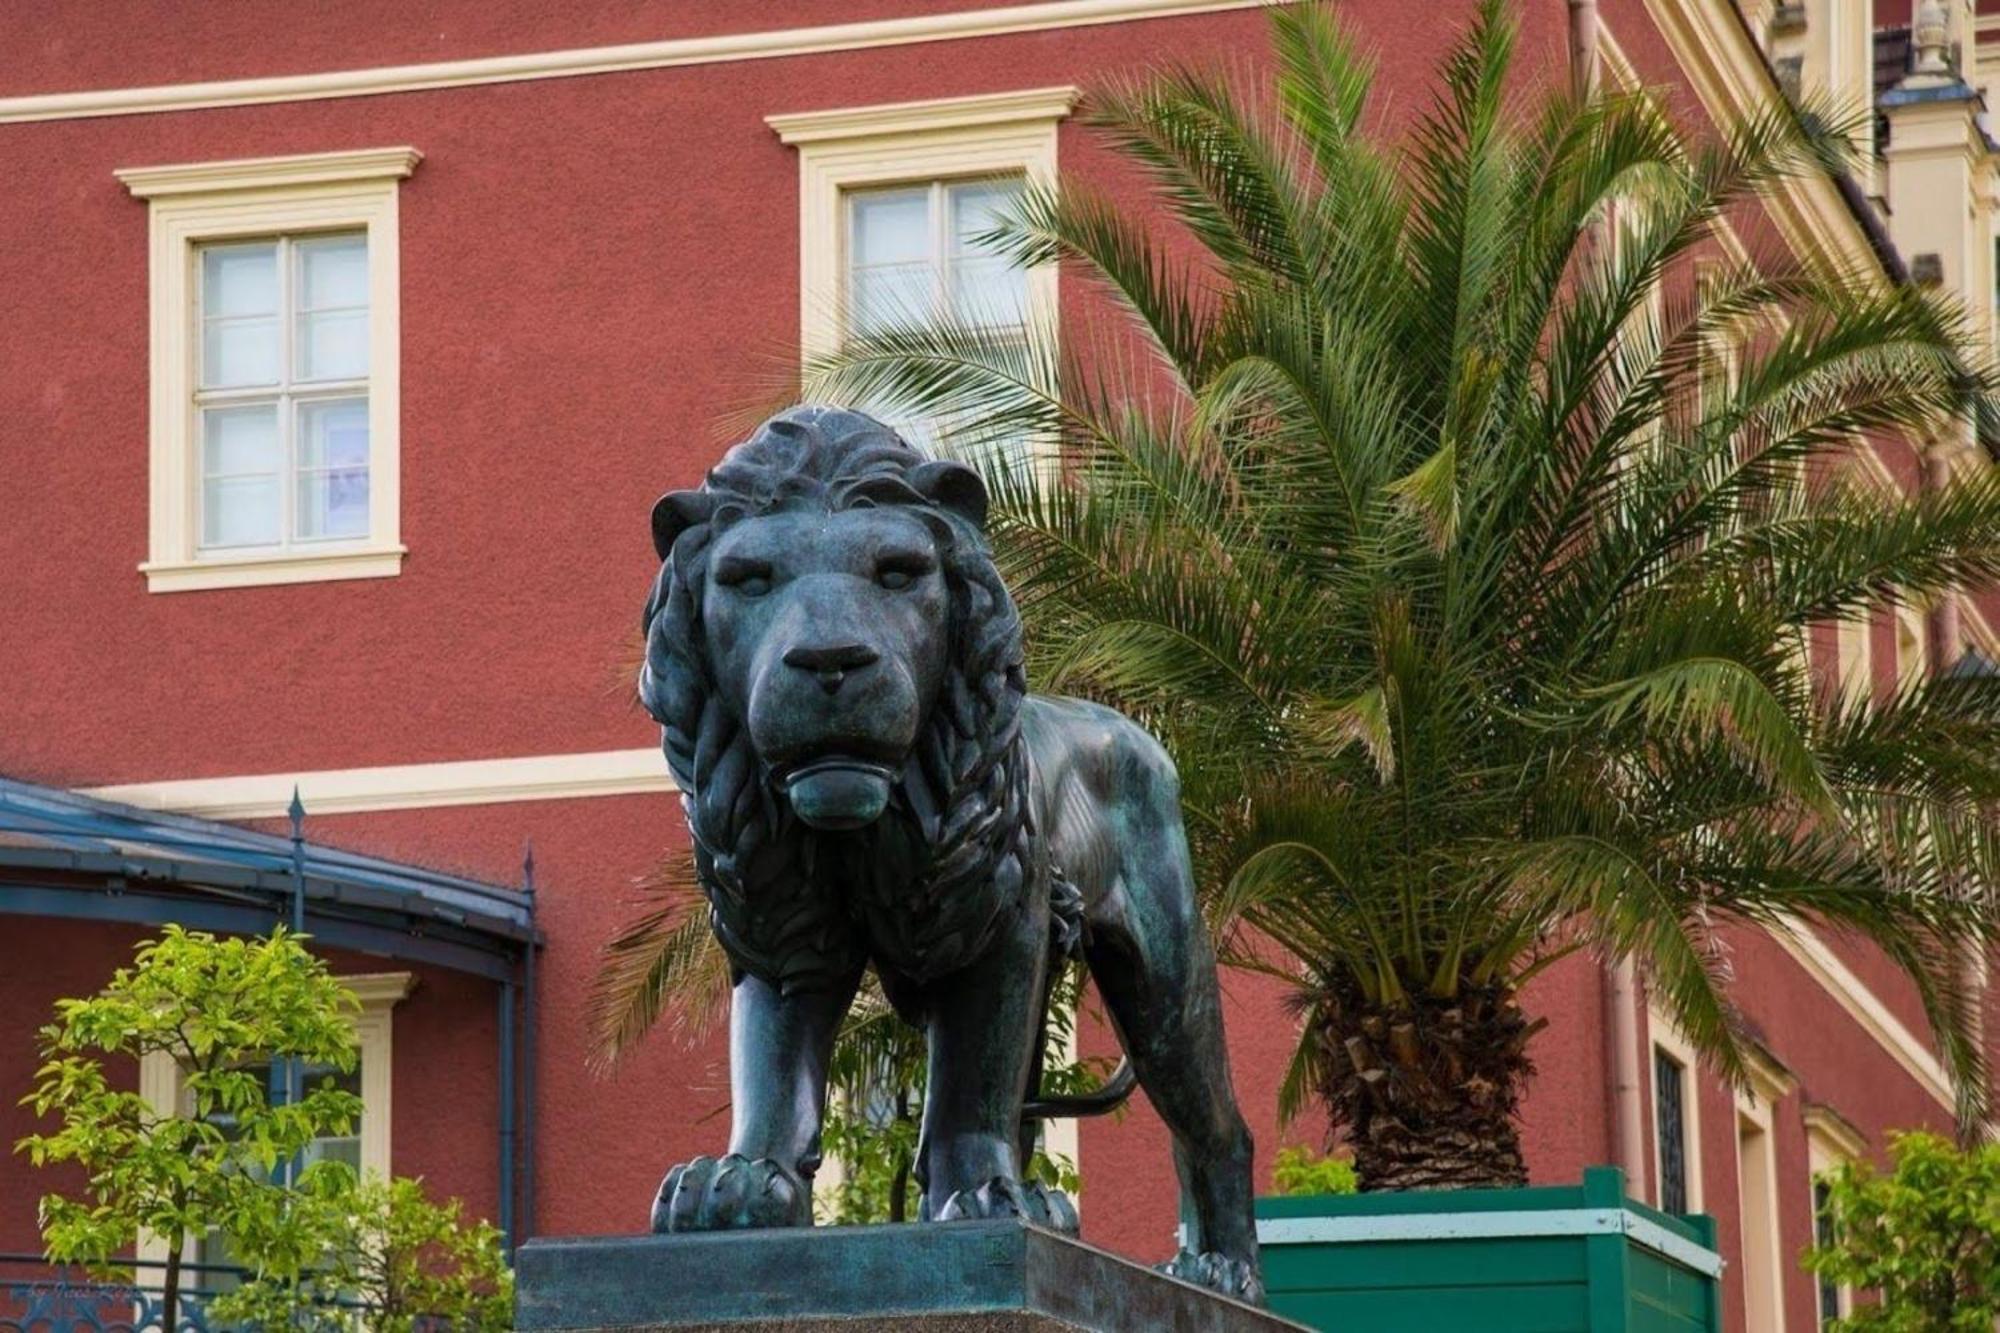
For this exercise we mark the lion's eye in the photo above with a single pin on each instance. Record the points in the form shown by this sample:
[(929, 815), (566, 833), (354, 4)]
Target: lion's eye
[(748, 578), (898, 574)]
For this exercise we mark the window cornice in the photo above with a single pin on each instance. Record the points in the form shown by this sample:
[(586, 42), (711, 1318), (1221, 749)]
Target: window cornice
[(935, 115), (259, 173)]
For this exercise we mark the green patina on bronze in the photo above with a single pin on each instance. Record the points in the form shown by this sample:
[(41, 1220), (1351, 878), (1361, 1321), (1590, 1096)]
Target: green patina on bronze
[(836, 666)]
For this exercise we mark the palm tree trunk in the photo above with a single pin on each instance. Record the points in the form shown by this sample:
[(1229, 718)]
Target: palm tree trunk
[(1427, 1091)]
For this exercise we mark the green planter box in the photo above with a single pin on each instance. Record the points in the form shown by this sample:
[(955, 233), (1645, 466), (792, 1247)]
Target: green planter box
[(1566, 1259)]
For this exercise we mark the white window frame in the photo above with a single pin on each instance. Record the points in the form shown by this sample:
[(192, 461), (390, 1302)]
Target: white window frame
[(1667, 1038), (911, 143), (379, 993), (1831, 1140), (195, 204)]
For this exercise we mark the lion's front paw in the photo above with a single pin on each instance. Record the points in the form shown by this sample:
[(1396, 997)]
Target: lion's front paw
[(1004, 1197), (732, 1192), (1218, 1272)]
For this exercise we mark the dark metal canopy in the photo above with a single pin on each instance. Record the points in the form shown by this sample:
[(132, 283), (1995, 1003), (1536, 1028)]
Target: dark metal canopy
[(65, 855)]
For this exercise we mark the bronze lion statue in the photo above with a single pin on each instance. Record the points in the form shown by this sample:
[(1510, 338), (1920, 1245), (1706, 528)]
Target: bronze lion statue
[(836, 667)]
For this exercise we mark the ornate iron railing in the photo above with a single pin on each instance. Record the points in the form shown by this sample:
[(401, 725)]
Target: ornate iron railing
[(40, 1297)]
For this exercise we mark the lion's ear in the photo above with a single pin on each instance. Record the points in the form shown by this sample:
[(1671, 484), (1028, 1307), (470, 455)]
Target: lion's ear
[(676, 512), (954, 486)]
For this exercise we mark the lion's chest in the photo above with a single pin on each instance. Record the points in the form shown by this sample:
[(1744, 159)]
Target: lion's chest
[(849, 902)]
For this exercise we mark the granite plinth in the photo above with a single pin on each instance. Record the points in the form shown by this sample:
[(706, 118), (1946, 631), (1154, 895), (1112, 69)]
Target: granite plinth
[(955, 1277)]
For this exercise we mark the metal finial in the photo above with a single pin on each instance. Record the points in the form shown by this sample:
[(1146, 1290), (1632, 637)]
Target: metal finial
[(528, 870), (297, 811)]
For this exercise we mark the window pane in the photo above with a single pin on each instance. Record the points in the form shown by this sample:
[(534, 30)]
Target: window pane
[(884, 297), (238, 352), (890, 227), (331, 337), (333, 272), (333, 469), (239, 511), (239, 441), (239, 280), (989, 291), (333, 345), (1671, 1127), (975, 208)]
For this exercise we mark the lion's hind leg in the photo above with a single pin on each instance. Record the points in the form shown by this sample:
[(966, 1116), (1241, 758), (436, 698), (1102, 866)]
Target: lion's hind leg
[(1149, 953)]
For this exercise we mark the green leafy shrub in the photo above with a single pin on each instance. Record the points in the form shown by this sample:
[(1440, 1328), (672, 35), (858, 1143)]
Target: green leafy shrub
[(1297, 1169), (393, 1261), (219, 1008), (1925, 1235)]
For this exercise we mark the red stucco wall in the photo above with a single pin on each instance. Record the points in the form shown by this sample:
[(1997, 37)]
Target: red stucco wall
[(599, 281)]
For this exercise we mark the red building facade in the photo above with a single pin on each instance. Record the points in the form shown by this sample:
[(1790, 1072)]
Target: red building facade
[(243, 552)]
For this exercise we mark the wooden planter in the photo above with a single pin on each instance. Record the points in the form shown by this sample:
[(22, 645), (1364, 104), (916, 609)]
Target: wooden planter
[(1544, 1260)]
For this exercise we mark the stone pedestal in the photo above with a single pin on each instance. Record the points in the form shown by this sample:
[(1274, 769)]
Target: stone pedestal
[(957, 1277)]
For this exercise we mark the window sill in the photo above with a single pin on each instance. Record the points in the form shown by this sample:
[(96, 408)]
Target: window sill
[(376, 562)]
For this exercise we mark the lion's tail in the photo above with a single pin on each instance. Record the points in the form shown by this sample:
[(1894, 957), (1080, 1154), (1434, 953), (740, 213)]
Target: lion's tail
[(1107, 1098)]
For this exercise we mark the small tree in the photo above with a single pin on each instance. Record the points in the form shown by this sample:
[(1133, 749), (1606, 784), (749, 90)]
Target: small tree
[(219, 1008), (394, 1261), (1926, 1235)]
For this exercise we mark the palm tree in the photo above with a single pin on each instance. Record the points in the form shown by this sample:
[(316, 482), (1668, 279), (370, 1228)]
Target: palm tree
[(1457, 507)]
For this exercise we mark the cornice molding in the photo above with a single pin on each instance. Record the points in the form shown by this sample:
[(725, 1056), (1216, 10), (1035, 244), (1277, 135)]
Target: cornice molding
[(346, 791), (1867, 1010), (1835, 1130), (379, 989), (936, 114), (718, 48), (262, 173), (1769, 1079)]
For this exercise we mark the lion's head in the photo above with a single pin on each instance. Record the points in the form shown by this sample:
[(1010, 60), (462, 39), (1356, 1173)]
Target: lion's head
[(829, 643)]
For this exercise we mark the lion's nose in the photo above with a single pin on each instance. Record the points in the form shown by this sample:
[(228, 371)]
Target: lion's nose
[(831, 662)]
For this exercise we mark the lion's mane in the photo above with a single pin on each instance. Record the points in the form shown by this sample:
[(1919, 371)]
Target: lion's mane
[(923, 888)]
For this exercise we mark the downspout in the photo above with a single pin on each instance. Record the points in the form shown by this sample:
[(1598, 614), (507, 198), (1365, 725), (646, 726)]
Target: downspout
[(1621, 975)]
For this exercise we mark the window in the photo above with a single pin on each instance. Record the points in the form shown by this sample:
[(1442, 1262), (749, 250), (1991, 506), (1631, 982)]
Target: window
[(1831, 1139), (275, 351), (912, 251), (1831, 1297), (892, 199), (282, 392), (213, 1250), (1676, 1119), (367, 1149), (1670, 1124)]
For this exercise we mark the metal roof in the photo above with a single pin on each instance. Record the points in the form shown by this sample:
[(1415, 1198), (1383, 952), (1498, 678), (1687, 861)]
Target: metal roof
[(63, 854)]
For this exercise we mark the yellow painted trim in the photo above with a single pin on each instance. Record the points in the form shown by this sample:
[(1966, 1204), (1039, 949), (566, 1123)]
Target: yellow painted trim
[(1770, 1081), (192, 203), (1728, 75), (248, 173), (346, 562), (1834, 1133), (711, 49), (1761, 1254), (1825, 966), (852, 147), (374, 1028), (930, 116), (346, 791)]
